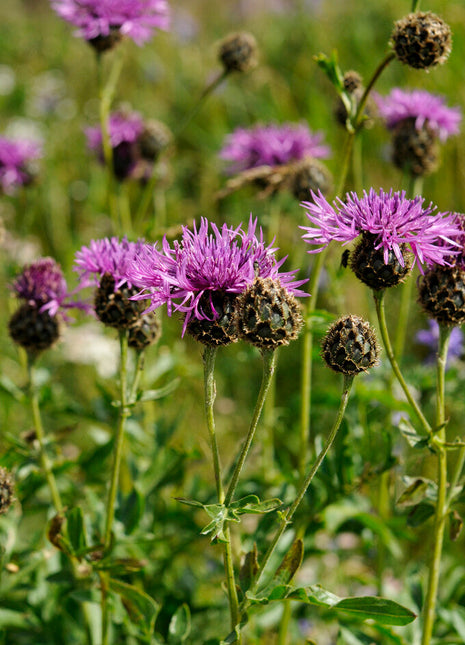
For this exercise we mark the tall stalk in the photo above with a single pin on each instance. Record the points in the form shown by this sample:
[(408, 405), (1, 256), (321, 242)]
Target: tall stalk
[(429, 609)]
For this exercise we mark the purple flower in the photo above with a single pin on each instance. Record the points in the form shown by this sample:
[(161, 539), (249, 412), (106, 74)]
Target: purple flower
[(430, 338), (43, 285), (15, 157), (122, 127), (272, 145), (422, 106), (391, 218), (204, 262), (108, 255), (98, 18)]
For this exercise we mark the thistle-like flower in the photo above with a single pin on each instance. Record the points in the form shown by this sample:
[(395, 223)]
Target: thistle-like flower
[(350, 346), (17, 159), (272, 145), (204, 272), (391, 224), (104, 22), (45, 299), (104, 264)]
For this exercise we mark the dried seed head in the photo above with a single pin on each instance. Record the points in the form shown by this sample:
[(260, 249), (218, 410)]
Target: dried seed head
[(368, 264), (352, 81), (145, 331), (6, 491), (218, 331), (413, 150), (422, 40), (33, 329), (267, 315), (238, 52), (104, 43), (350, 346), (442, 294), (309, 175), (155, 138), (113, 307)]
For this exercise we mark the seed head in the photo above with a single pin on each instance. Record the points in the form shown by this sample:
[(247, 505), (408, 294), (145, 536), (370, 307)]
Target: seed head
[(113, 306), (33, 329), (307, 176), (267, 315), (145, 331), (238, 52), (416, 151), (217, 330), (6, 491), (350, 346), (422, 40)]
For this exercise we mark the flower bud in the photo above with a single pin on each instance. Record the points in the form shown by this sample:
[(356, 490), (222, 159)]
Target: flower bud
[(350, 346), (219, 328), (155, 137), (144, 332), (415, 150), (442, 294), (307, 176), (422, 40), (238, 52), (267, 315)]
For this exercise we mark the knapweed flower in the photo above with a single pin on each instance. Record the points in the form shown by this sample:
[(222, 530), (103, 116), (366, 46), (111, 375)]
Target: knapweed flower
[(395, 232), (136, 144), (202, 274), (103, 22), (430, 338), (16, 163), (104, 264), (421, 106), (350, 346), (44, 292), (272, 145)]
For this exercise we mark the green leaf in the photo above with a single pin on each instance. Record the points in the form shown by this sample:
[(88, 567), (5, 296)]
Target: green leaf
[(286, 570), (248, 569), (119, 566), (76, 530), (180, 625), (159, 393), (414, 439), (251, 504), (131, 510), (141, 608), (420, 514), (381, 610), (456, 524), (414, 493), (330, 66)]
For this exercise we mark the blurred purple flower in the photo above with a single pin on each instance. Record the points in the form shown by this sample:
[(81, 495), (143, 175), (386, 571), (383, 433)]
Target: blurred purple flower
[(122, 127), (430, 338), (225, 260), (98, 18), (391, 218), (43, 285), (15, 157), (272, 145), (108, 255), (421, 106)]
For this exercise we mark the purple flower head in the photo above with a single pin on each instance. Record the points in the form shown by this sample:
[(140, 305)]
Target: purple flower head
[(430, 338), (98, 18), (15, 157), (123, 128), (109, 255), (391, 218), (43, 285), (422, 106), (221, 260), (272, 145)]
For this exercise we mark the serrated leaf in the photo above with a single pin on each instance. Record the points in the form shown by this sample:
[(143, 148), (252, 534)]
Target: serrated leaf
[(141, 608), (381, 610), (180, 625)]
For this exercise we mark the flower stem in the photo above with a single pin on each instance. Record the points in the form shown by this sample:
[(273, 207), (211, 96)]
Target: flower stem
[(415, 5), (429, 610), (379, 302), (269, 364), (307, 361), (348, 380), (39, 430), (106, 93), (206, 92), (139, 368), (209, 357)]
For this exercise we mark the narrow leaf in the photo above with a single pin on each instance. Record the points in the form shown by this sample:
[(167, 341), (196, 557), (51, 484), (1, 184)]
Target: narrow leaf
[(180, 625), (248, 569), (382, 610), (142, 609)]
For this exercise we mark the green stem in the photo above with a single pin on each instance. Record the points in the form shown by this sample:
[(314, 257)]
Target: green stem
[(104, 608), (269, 364), (139, 368), (415, 5), (379, 302), (124, 208), (307, 360), (284, 623), (209, 357), (119, 439), (269, 420), (40, 434), (206, 92), (147, 196), (107, 90), (429, 610), (348, 380)]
